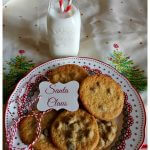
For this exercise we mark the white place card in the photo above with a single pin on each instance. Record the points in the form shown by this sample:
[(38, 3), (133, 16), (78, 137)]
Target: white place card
[(58, 96)]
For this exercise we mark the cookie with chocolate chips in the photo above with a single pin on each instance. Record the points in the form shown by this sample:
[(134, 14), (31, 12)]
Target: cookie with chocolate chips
[(44, 142), (75, 131), (102, 96), (67, 73), (107, 131), (27, 129)]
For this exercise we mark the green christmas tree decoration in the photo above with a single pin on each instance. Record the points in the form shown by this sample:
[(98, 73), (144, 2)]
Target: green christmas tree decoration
[(126, 67), (20, 66), (17, 69)]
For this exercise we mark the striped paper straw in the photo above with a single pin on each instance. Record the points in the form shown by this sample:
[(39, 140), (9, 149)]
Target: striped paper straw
[(68, 8), (69, 2), (61, 5)]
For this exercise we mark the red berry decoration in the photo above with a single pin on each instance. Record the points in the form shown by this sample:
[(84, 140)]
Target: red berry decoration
[(116, 45), (21, 51)]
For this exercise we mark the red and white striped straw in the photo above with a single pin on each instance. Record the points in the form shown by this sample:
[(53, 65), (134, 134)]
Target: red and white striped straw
[(68, 8), (61, 5), (69, 2)]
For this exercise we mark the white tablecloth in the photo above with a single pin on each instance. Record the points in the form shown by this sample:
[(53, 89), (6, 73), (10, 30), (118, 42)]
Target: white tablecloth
[(104, 22)]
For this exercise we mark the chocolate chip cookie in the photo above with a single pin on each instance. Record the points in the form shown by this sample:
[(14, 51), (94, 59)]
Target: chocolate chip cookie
[(67, 73), (44, 142), (108, 131), (75, 131), (102, 96), (27, 129)]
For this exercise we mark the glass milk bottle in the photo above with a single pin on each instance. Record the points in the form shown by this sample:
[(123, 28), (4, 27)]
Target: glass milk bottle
[(63, 29)]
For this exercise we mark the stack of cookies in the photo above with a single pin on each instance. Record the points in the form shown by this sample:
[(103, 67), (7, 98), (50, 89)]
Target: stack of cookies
[(91, 127)]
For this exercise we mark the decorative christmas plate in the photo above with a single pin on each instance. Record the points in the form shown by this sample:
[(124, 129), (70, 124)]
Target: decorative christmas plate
[(131, 122)]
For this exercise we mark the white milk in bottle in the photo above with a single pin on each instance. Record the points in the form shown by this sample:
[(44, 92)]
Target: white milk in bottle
[(63, 30)]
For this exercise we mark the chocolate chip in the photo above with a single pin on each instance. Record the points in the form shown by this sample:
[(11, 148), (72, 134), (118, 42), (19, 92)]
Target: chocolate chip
[(108, 91), (80, 134), (92, 89), (72, 126), (108, 128), (56, 125), (66, 120), (97, 83), (100, 106), (45, 132), (68, 134), (103, 121), (87, 132)]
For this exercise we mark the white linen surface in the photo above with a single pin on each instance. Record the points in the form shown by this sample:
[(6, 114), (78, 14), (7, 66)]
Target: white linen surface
[(104, 22)]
